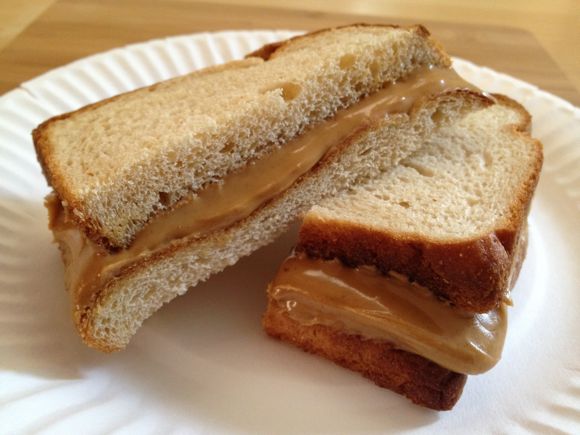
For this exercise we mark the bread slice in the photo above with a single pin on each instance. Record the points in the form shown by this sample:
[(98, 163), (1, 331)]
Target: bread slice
[(452, 217), (449, 217), (422, 381), (117, 163)]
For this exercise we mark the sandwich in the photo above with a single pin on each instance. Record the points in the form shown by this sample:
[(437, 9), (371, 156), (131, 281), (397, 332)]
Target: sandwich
[(406, 279), (155, 190)]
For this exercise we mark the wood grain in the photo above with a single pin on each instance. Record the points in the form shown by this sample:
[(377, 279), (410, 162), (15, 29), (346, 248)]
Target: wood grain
[(71, 29), (16, 15)]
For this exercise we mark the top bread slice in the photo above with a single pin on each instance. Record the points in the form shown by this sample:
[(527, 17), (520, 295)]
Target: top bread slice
[(116, 163), (452, 217)]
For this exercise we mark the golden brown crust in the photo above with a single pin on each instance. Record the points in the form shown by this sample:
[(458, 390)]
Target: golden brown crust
[(473, 274), (520, 250), (420, 380), (267, 51)]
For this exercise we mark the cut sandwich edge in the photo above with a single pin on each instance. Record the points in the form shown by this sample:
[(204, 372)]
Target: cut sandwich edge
[(422, 381), (473, 273), (87, 318)]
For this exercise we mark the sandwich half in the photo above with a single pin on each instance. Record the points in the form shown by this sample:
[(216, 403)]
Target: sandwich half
[(157, 189), (406, 279)]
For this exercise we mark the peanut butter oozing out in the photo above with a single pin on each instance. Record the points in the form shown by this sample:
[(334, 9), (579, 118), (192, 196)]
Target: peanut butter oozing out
[(363, 301), (90, 266)]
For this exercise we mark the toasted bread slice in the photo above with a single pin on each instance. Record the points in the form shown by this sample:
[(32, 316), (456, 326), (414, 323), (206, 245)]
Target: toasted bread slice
[(448, 217), (117, 163), (452, 217)]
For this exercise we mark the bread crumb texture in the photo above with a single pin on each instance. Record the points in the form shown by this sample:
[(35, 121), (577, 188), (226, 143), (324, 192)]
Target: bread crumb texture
[(465, 182)]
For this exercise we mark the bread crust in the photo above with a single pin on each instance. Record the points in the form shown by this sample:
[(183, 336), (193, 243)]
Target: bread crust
[(420, 380), (473, 274), (270, 50)]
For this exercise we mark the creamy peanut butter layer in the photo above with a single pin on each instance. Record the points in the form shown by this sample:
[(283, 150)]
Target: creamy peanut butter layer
[(90, 266), (364, 302)]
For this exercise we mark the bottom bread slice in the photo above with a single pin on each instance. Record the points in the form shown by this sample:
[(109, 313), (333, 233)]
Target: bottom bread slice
[(420, 380)]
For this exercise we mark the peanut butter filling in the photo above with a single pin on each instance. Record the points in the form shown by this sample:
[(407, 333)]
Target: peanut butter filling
[(90, 266), (364, 302)]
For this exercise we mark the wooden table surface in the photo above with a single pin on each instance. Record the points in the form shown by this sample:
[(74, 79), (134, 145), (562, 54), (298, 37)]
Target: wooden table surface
[(38, 35)]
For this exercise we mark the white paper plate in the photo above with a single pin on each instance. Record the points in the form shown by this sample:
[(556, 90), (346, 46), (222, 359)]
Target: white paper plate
[(202, 364)]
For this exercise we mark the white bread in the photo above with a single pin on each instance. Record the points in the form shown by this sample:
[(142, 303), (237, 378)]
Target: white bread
[(449, 217), (116, 163), (120, 307), (202, 126), (432, 218)]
